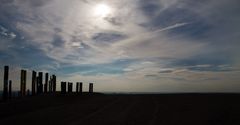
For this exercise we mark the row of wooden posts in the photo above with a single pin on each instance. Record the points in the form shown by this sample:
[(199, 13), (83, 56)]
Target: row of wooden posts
[(69, 87), (37, 84)]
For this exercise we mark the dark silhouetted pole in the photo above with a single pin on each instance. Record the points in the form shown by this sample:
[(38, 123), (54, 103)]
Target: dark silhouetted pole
[(34, 82), (40, 83), (5, 83), (23, 82), (90, 87), (80, 87), (37, 84), (46, 83), (63, 87), (77, 87), (70, 85), (50, 84), (10, 89), (54, 80)]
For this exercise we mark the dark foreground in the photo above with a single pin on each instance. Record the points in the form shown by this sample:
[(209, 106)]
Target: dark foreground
[(99, 109)]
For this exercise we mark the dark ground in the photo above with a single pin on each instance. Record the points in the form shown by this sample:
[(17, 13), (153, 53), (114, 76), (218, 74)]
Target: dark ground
[(99, 109)]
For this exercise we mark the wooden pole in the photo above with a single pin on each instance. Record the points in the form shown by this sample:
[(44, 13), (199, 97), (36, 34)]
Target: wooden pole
[(37, 79), (23, 82), (77, 87), (34, 82), (50, 84), (46, 83), (54, 80), (80, 87), (90, 87), (70, 85), (40, 82), (63, 87), (5, 83)]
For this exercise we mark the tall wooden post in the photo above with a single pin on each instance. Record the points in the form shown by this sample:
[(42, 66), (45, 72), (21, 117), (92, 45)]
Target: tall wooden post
[(46, 83), (50, 84), (37, 80), (77, 87), (10, 89), (63, 87), (40, 83), (80, 87), (23, 82), (70, 85), (54, 80), (90, 87), (34, 82), (5, 83)]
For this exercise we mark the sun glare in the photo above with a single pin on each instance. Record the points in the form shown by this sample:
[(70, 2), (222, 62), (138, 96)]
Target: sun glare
[(102, 10)]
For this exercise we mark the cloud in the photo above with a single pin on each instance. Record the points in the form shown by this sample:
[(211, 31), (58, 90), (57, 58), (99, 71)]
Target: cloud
[(166, 71), (77, 29), (173, 26), (6, 33), (108, 37)]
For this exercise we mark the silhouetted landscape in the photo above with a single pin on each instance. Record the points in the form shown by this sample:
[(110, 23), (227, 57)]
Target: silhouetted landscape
[(43, 104), (123, 109)]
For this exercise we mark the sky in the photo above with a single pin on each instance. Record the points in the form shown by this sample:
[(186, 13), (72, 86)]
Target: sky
[(125, 45)]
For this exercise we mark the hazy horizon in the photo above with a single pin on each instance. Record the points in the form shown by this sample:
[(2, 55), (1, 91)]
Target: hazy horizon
[(163, 46)]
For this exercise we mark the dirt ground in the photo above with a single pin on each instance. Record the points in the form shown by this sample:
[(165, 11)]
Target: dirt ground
[(113, 109)]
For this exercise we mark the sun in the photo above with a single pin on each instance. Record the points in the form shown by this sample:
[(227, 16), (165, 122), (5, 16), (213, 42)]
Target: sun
[(102, 10)]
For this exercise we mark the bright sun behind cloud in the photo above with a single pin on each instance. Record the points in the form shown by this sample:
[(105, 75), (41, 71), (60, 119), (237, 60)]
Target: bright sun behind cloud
[(102, 10)]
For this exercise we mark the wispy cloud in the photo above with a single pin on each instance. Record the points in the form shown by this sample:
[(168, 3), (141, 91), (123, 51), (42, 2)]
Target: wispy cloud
[(172, 27), (6, 33)]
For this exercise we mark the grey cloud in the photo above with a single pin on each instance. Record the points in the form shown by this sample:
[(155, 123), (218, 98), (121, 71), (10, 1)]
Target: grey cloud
[(114, 20), (58, 41), (109, 37), (6, 1), (6, 33), (166, 71), (38, 2), (58, 30), (151, 76), (34, 3)]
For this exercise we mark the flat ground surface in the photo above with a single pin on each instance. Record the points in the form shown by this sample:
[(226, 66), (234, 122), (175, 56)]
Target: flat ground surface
[(99, 109)]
